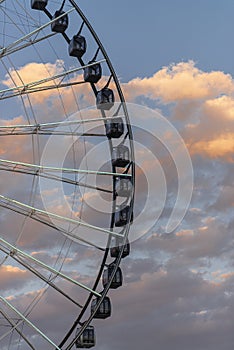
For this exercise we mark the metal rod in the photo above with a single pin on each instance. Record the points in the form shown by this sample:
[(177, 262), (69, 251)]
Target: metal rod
[(26, 87), (47, 267), (25, 37), (38, 274), (14, 169), (32, 42), (56, 124), (67, 170), (16, 329), (21, 211), (29, 322), (56, 216), (11, 330)]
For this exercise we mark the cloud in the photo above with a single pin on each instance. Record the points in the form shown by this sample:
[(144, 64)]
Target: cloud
[(203, 101), (13, 278), (171, 310), (223, 105), (15, 147), (212, 136), (225, 200), (221, 147), (210, 239), (181, 81), (34, 72)]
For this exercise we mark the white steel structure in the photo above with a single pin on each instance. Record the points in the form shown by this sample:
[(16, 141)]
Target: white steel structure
[(53, 68)]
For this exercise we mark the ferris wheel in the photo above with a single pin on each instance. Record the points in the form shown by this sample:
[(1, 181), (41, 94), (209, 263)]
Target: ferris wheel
[(67, 177)]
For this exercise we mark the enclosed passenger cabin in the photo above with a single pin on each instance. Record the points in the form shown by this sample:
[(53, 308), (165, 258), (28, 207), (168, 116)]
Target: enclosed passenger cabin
[(120, 156), (77, 46), (123, 186), (122, 215), (104, 310), (117, 280), (114, 128), (61, 24), (115, 251), (87, 339), (93, 74), (38, 4), (105, 99)]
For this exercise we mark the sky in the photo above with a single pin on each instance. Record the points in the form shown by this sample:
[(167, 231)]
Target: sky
[(175, 57), (162, 32)]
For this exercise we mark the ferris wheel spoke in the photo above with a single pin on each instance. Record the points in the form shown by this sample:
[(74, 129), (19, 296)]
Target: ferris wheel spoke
[(24, 129), (34, 32), (16, 251), (29, 267), (30, 168), (25, 319), (37, 131), (24, 46), (55, 132), (45, 220), (11, 330), (33, 86), (14, 325), (6, 14), (41, 89), (32, 211), (63, 179)]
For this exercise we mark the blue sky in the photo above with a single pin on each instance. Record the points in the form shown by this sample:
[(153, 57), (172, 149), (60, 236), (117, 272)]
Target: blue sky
[(141, 37)]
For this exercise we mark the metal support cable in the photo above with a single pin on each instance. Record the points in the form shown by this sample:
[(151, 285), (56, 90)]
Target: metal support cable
[(28, 322), (15, 325), (15, 250)]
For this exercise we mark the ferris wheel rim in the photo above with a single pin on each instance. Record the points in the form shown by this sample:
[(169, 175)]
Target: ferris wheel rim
[(133, 179), (130, 137)]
